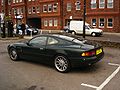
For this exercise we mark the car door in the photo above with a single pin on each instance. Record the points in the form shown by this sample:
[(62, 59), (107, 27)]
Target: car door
[(36, 48), (87, 30), (51, 49)]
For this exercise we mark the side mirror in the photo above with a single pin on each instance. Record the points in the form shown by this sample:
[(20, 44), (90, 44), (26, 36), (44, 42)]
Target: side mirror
[(27, 43), (87, 28)]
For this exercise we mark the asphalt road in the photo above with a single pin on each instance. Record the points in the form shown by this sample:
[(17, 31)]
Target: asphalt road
[(26, 75)]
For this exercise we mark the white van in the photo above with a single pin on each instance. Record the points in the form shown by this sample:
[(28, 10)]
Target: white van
[(76, 27)]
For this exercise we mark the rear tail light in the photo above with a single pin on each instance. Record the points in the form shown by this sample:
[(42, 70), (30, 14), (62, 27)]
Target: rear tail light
[(90, 53)]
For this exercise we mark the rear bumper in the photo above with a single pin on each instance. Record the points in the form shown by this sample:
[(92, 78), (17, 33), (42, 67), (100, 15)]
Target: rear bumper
[(85, 61)]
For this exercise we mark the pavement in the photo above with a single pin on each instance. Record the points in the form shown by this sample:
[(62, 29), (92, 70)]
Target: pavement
[(107, 39)]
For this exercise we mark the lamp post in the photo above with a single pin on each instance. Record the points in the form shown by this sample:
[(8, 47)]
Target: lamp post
[(84, 18), (16, 17)]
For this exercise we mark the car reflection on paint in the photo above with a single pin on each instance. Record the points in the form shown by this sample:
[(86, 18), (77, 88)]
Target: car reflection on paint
[(63, 52)]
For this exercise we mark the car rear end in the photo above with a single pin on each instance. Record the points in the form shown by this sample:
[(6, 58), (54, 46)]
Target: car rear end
[(88, 56)]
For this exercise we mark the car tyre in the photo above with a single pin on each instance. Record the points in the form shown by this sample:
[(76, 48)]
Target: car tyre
[(67, 31), (13, 54), (93, 34), (62, 64), (73, 33)]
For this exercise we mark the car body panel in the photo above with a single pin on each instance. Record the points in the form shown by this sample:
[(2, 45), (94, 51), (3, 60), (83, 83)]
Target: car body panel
[(46, 53)]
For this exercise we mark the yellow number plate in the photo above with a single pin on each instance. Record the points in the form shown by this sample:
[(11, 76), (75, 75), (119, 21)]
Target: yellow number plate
[(98, 51)]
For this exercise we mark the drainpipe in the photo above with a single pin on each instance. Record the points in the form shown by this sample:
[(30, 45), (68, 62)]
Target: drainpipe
[(61, 12), (25, 2), (84, 18)]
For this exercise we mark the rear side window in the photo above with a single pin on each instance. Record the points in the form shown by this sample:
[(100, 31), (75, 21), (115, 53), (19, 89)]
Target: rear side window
[(57, 41), (52, 41), (64, 42)]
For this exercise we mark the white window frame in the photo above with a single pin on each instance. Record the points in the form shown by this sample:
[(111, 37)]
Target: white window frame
[(17, 1), (78, 5), (101, 4), (21, 10), (110, 2), (33, 8), (29, 10), (2, 1), (9, 2), (55, 7), (55, 22), (45, 23), (103, 23), (18, 10), (14, 1), (93, 3), (45, 7), (10, 12), (109, 22), (94, 23), (15, 11), (38, 9), (20, 0), (50, 22), (49, 7), (69, 7)]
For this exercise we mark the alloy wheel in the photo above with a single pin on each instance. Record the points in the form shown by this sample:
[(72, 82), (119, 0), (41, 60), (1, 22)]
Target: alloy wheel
[(62, 64), (13, 54)]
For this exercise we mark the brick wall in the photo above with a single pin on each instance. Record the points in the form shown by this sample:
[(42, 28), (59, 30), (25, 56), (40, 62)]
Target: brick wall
[(63, 16), (97, 13)]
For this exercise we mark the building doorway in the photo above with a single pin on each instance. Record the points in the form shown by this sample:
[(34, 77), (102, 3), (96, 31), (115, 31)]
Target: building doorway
[(34, 22)]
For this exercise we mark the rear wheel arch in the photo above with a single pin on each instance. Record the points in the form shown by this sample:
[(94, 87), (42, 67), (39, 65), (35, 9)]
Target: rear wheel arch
[(58, 54)]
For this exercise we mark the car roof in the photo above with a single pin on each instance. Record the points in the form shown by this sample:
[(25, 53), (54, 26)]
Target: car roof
[(59, 36), (63, 37), (68, 38)]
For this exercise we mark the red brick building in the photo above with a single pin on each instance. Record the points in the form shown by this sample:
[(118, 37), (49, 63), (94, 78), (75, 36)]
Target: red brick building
[(46, 14), (72, 10), (104, 14), (0, 6), (55, 14), (17, 9)]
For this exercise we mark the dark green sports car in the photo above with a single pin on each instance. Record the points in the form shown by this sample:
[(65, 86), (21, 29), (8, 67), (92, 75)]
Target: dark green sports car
[(63, 52)]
